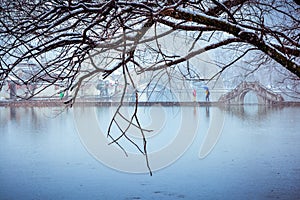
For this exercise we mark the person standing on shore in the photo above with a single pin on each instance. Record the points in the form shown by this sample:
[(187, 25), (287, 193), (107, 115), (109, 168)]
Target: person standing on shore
[(207, 93), (195, 95), (61, 95)]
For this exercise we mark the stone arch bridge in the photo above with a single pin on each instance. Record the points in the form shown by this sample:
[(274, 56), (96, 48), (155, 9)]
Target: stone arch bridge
[(264, 96)]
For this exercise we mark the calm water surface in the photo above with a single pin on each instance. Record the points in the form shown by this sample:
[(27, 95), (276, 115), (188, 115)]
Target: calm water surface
[(256, 157)]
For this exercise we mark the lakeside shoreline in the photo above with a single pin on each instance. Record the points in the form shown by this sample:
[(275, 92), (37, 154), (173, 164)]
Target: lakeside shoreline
[(94, 102)]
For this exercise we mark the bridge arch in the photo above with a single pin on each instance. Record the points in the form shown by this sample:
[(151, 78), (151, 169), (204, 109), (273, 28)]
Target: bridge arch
[(264, 96), (241, 97)]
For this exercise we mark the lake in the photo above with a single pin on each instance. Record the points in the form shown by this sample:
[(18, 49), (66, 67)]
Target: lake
[(252, 152)]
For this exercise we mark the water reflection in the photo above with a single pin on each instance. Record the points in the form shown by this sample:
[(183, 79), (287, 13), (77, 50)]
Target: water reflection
[(207, 111), (40, 146), (251, 112), (31, 117), (12, 113)]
